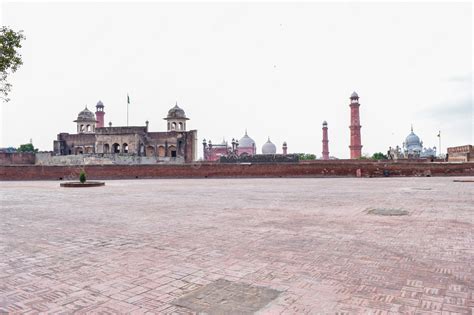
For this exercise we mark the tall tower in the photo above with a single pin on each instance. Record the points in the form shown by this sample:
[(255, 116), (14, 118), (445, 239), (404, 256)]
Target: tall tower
[(99, 114), (285, 148), (325, 141), (356, 146)]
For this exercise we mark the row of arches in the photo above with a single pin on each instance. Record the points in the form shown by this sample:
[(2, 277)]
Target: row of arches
[(176, 126), (160, 151), (150, 150), (116, 148), (86, 128), (82, 150)]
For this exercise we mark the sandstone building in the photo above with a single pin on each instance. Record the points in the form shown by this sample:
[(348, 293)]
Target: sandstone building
[(92, 137)]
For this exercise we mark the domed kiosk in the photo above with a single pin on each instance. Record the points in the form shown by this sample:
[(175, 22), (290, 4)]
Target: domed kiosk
[(86, 121), (176, 119)]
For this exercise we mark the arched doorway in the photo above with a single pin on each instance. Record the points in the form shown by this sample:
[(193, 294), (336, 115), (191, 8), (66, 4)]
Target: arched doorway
[(125, 148), (116, 148), (106, 148), (79, 150), (172, 151)]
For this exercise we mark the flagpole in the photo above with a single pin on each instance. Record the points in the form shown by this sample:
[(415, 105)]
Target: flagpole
[(439, 136)]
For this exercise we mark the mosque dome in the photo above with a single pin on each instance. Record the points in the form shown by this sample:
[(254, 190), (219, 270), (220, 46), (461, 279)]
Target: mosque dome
[(412, 139), (86, 115), (413, 143), (246, 141), (176, 113), (269, 148)]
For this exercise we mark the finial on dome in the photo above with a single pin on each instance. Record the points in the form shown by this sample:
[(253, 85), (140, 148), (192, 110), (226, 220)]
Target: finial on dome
[(411, 127), (246, 132)]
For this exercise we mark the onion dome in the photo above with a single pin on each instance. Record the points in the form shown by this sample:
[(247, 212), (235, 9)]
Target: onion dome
[(176, 113), (325, 123), (269, 147), (246, 141), (99, 104), (85, 115), (412, 140)]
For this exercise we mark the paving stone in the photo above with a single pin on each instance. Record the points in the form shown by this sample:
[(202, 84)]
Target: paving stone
[(138, 246)]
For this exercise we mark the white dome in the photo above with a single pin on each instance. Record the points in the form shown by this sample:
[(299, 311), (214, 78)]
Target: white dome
[(246, 141), (413, 143), (269, 148)]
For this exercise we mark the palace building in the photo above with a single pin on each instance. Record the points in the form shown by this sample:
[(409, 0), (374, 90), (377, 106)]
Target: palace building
[(92, 137)]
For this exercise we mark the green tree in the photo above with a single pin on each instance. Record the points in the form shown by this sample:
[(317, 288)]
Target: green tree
[(306, 156), (379, 156), (10, 58), (82, 177), (27, 148)]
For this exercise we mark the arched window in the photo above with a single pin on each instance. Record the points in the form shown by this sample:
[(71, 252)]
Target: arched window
[(150, 150), (116, 148), (88, 128), (173, 126), (125, 148), (180, 126), (106, 148), (81, 129)]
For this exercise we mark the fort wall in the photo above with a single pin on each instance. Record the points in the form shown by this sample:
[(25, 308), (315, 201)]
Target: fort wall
[(215, 170)]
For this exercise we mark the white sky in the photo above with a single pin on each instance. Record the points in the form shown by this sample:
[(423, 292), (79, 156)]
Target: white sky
[(278, 70)]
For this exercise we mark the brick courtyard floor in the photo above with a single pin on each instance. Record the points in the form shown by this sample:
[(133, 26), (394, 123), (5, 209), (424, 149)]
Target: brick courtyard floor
[(137, 246)]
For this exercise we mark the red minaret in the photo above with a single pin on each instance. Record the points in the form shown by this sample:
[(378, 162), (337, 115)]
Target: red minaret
[(99, 114), (325, 141), (356, 146)]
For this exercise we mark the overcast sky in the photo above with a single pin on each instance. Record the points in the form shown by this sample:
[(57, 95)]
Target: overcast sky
[(278, 70)]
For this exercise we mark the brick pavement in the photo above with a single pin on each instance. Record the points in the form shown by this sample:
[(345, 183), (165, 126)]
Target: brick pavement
[(136, 247)]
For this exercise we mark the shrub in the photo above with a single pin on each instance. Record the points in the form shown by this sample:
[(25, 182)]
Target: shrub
[(82, 177)]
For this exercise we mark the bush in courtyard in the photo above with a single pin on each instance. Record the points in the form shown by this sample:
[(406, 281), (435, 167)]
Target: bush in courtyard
[(82, 177)]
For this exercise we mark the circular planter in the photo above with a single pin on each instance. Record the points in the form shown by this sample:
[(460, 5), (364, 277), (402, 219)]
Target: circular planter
[(79, 184)]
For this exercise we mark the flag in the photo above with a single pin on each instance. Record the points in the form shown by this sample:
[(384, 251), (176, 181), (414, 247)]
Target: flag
[(128, 99)]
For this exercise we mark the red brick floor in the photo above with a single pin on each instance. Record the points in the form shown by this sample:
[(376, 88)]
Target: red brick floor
[(136, 246)]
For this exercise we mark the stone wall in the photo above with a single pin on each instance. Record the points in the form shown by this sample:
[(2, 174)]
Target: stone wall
[(17, 158), (102, 159), (209, 170)]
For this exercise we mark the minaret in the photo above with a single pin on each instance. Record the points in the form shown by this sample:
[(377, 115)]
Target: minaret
[(356, 146), (285, 148), (325, 141), (99, 114)]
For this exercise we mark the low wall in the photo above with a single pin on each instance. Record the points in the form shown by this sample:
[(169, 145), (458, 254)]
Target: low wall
[(203, 170), (17, 158), (101, 159)]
